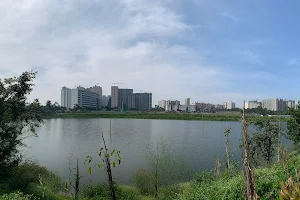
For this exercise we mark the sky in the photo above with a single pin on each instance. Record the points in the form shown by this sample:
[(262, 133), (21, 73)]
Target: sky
[(207, 50)]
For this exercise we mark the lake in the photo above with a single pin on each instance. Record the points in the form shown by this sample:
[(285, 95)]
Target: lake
[(196, 143)]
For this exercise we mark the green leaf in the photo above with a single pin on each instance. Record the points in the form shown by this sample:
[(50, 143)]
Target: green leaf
[(113, 151), (90, 170), (100, 165), (114, 164)]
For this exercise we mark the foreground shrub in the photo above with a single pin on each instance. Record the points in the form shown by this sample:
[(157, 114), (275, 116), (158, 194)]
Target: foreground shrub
[(101, 191), (169, 192), (16, 196), (203, 177), (143, 181), (267, 185), (29, 173)]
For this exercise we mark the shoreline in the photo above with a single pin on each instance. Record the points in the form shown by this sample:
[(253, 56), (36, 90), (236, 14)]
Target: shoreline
[(164, 116)]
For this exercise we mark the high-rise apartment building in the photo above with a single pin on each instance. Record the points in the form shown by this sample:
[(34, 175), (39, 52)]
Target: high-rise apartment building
[(98, 90), (84, 98), (252, 104), (290, 103), (187, 101), (66, 97), (204, 107), (219, 106), (274, 105), (124, 96), (114, 96), (229, 105), (162, 104), (171, 104), (143, 101)]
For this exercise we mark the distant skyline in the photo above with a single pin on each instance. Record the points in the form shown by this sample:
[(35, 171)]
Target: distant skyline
[(209, 51)]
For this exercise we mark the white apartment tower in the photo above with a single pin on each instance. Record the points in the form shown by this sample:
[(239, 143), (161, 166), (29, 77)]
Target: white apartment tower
[(187, 101), (252, 104), (229, 105), (66, 97)]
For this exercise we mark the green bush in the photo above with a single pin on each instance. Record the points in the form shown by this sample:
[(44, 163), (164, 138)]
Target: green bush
[(97, 191), (127, 193), (204, 177), (101, 191), (169, 192), (16, 196), (266, 180), (30, 172), (143, 181), (42, 192)]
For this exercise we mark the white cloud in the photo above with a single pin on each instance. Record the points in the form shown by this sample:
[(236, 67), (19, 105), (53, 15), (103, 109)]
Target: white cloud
[(74, 42), (251, 57), (294, 61), (230, 16)]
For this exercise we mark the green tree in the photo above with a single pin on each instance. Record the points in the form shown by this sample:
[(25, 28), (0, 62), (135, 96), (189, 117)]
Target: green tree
[(264, 141), (293, 127), (15, 118), (163, 170)]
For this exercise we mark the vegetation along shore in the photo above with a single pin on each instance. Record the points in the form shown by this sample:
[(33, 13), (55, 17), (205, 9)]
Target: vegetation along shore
[(267, 172)]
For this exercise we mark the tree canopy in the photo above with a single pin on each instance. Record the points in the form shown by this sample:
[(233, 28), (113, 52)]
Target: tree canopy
[(16, 118)]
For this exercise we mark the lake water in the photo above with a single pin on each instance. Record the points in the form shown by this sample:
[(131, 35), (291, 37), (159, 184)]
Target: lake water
[(196, 143)]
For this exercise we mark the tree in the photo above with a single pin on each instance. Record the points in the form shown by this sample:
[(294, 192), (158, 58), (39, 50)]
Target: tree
[(293, 127), (264, 141), (163, 168), (226, 133), (15, 118), (107, 159)]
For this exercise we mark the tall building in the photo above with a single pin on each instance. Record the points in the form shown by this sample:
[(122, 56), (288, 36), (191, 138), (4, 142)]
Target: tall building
[(187, 101), (98, 90), (84, 98), (105, 100), (66, 97), (275, 105), (290, 103), (114, 96), (219, 106), (204, 107), (252, 104), (124, 96), (170, 105), (143, 101), (162, 104), (229, 105)]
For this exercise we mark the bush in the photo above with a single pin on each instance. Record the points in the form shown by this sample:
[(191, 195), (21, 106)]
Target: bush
[(169, 192), (101, 191), (127, 193), (266, 180), (30, 172), (16, 196), (143, 181), (203, 177)]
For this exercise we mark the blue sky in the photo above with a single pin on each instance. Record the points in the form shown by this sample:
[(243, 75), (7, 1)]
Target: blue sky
[(211, 51)]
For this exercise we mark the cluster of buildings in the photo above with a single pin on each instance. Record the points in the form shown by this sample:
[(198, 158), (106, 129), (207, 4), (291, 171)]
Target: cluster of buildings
[(275, 104), (174, 105), (92, 98), (125, 98)]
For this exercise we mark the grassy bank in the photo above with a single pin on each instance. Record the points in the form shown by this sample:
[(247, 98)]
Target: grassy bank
[(165, 116), (31, 181)]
